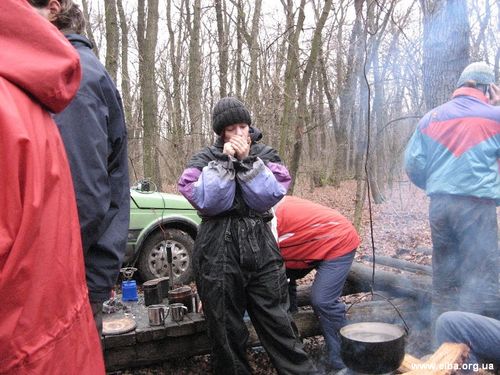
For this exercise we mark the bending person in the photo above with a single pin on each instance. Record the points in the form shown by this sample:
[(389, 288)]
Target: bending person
[(312, 236)]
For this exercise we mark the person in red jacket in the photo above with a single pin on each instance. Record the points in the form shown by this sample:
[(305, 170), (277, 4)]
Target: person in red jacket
[(46, 324), (312, 236)]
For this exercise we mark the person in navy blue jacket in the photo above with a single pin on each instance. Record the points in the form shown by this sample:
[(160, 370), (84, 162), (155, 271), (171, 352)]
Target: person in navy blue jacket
[(95, 137), (237, 262), (454, 155)]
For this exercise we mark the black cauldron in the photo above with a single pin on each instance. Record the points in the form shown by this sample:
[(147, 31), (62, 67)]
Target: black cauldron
[(372, 347)]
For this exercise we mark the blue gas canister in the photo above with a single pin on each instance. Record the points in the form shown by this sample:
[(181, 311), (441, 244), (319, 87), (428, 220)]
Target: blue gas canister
[(129, 286), (129, 290)]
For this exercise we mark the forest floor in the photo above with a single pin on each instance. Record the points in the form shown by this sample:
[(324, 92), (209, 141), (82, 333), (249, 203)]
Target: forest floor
[(400, 228)]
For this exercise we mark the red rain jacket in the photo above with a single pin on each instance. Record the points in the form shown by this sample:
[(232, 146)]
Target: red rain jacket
[(309, 232), (46, 324)]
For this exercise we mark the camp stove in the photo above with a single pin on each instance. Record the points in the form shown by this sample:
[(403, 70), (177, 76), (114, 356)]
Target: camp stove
[(129, 286)]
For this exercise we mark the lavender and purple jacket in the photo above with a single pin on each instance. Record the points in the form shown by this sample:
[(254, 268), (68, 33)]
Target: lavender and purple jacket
[(217, 184)]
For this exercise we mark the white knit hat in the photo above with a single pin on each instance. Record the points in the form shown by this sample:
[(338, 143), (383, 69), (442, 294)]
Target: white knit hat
[(478, 72)]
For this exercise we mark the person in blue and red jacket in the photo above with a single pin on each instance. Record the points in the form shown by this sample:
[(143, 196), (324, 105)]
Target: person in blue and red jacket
[(454, 155), (312, 236), (236, 260)]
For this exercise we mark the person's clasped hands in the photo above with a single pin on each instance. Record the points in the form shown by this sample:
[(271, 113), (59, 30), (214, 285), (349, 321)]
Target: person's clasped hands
[(237, 146)]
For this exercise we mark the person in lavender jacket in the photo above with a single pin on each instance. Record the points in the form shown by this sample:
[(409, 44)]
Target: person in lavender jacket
[(237, 263)]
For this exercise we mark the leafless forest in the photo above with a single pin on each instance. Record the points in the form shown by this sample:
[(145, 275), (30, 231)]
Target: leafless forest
[(330, 83)]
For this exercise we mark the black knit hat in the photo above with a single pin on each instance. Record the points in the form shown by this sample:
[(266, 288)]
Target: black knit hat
[(229, 111)]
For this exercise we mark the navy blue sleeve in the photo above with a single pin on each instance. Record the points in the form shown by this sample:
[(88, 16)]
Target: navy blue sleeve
[(95, 137)]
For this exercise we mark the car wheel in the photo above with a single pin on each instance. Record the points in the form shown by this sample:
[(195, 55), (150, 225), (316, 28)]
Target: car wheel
[(153, 258)]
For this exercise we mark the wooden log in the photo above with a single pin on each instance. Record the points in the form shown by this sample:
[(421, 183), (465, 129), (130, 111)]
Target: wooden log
[(400, 264), (304, 292), (411, 285), (424, 250), (382, 311), (421, 250), (445, 361), (134, 353), (409, 364)]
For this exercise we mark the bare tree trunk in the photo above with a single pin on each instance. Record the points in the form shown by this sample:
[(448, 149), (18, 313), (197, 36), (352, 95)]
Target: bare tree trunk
[(346, 94), (112, 38), (332, 107), (318, 144), (88, 27), (446, 47), (239, 48), (483, 25), (125, 84), (302, 103), (377, 116), (290, 74), (194, 87), (134, 138), (362, 136), (316, 151), (223, 47), (252, 40), (360, 158), (149, 90), (176, 113), (392, 158), (377, 147)]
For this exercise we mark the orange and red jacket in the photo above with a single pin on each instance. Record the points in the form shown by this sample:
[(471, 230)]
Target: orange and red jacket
[(46, 323), (309, 232)]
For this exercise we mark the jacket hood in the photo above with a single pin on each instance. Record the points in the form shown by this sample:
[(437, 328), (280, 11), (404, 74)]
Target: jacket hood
[(78, 39), (469, 91), (255, 134), (36, 57)]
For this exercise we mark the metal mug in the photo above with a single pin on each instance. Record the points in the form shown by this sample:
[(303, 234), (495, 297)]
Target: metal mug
[(157, 314), (178, 311)]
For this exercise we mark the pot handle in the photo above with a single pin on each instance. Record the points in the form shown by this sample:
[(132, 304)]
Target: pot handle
[(407, 329)]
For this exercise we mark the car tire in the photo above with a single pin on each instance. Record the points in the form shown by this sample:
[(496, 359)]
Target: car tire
[(152, 261)]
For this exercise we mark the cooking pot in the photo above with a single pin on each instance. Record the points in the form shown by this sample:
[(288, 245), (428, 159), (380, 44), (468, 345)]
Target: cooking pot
[(184, 295), (152, 292), (372, 347)]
